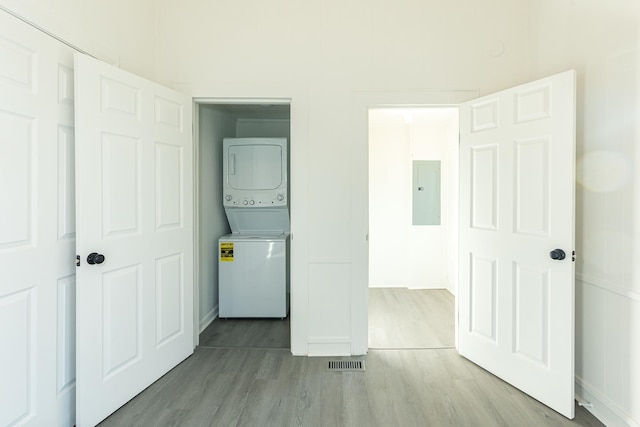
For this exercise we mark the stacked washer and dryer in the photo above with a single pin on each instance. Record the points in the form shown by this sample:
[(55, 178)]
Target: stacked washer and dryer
[(254, 258)]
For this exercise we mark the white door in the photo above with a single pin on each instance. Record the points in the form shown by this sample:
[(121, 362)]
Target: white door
[(37, 234), (134, 203), (517, 180)]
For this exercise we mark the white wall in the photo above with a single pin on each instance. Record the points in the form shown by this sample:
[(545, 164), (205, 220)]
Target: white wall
[(601, 40), (451, 131), (389, 199), (319, 55), (213, 126), (402, 254), (268, 128), (431, 247), (120, 32)]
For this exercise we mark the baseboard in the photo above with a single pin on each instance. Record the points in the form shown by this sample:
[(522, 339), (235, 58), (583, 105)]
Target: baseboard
[(386, 285), (329, 346), (208, 318), (602, 408)]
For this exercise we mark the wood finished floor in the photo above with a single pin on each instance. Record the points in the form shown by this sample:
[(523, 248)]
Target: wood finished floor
[(248, 333), (243, 374), (411, 318)]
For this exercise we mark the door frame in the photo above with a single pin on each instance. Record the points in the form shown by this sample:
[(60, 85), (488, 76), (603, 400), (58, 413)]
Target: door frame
[(363, 101), (297, 312), (449, 143)]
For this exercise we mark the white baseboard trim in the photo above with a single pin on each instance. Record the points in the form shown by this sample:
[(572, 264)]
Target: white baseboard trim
[(329, 346), (603, 409), (208, 318), (429, 288)]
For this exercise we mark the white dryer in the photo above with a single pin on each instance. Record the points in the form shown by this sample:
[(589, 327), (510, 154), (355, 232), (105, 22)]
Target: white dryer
[(254, 258)]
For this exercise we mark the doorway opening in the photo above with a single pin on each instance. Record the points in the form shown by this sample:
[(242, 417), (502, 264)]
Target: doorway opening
[(413, 226), (217, 119)]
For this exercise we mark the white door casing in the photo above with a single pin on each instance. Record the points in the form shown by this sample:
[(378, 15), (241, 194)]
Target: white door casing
[(517, 197), (134, 205), (37, 228)]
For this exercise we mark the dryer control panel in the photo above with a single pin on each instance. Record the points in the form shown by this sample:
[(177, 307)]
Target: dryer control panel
[(261, 199)]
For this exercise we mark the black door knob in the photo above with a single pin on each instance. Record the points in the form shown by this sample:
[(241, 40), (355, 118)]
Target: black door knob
[(95, 258), (557, 254)]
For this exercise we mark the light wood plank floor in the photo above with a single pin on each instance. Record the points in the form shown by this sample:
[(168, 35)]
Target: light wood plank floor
[(248, 333), (411, 318), (262, 384)]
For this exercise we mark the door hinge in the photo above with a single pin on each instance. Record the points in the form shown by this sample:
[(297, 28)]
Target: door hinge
[(77, 260)]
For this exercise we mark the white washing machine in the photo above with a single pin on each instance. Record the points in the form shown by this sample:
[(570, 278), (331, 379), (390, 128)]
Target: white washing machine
[(254, 276), (254, 259)]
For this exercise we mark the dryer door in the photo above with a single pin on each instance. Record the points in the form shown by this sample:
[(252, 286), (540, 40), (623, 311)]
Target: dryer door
[(255, 167)]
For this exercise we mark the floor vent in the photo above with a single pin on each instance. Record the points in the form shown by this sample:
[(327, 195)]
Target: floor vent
[(346, 365)]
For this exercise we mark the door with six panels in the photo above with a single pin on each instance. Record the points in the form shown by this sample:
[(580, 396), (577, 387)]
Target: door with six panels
[(516, 272), (134, 210), (37, 228)]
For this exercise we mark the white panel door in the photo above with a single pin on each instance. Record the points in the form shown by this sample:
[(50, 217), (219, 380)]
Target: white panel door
[(134, 203), (517, 181), (37, 228)]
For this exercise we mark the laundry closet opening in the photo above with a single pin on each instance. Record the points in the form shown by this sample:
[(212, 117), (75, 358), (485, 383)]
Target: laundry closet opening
[(413, 226), (218, 120)]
